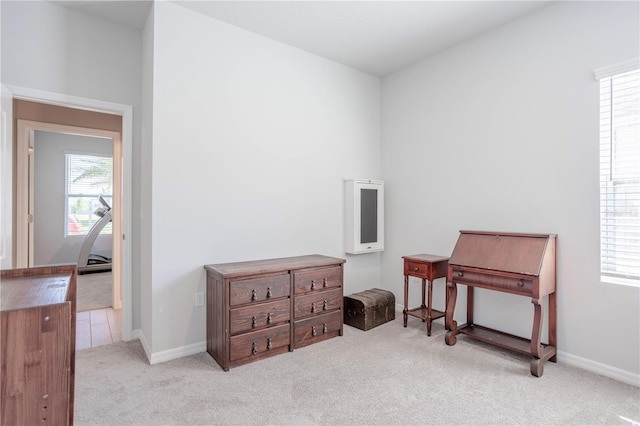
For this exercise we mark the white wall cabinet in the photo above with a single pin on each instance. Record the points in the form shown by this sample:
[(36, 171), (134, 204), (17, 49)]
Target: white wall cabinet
[(364, 215)]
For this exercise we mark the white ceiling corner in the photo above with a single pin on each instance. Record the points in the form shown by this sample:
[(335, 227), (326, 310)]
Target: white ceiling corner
[(376, 37)]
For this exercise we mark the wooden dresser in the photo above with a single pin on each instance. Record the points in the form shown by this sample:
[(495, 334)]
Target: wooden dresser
[(521, 264), (261, 308), (38, 345)]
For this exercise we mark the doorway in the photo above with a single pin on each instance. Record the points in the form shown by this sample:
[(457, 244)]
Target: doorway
[(28, 221), (34, 111)]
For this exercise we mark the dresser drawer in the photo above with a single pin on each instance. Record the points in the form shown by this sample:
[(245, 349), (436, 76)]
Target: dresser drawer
[(317, 279), (316, 328), (258, 289), (516, 285), (256, 343), (259, 315), (317, 302)]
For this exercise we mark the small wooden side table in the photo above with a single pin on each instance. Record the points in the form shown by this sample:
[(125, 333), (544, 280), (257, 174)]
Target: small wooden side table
[(428, 267)]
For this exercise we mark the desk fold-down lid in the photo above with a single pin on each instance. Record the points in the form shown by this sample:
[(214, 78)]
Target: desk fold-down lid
[(509, 252)]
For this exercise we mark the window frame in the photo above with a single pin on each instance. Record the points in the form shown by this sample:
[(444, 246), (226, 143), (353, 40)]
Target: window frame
[(607, 75)]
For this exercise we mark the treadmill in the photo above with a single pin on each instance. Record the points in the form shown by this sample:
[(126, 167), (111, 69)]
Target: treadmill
[(90, 262)]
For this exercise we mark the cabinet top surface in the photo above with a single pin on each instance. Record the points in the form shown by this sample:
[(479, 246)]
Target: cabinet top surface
[(428, 258), (33, 290), (519, 253), (237, 269)]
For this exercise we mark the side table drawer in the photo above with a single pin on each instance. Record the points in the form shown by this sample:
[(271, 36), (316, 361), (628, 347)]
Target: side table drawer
[(259, 289), (258, 342), (259, 315)]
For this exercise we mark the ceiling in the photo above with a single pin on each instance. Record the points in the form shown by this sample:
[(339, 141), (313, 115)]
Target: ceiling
[(377, 37)]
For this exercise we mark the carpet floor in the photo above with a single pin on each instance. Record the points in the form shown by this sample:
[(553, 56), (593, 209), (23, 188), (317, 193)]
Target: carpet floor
[(389, 375)]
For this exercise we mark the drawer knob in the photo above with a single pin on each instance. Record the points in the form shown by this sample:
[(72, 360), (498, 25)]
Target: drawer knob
[(254, 323), (269, 292), (314, 333), (313, 308), (325, 282), (416, 269), (520, 283), (269, 345), (254, 349), (460, 274), (325, 305), (324, 328), (313, 284), (269, 318), (254, 294)]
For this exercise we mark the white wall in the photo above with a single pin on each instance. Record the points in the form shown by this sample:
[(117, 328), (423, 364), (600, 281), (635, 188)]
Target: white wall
[(501, 134), (48, 47), (251, 141), (145, 185), (51, 245)]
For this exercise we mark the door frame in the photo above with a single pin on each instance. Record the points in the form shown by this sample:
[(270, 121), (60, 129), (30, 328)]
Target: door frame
[(25, 201), (126, 112)]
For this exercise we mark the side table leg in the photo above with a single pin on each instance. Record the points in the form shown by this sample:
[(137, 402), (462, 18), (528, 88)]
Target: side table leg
[(429, 308), (406, 299)]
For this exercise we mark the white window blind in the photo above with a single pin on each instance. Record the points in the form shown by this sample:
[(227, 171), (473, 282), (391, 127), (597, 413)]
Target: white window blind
[(87, 177), (620, 173)]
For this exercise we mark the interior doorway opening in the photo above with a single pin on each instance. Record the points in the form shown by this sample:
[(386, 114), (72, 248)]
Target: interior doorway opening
[(37, 110)]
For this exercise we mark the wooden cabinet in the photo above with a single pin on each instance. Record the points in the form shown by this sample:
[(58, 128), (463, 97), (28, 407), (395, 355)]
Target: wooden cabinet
[(37, 352), (262, 308), (520, 264)]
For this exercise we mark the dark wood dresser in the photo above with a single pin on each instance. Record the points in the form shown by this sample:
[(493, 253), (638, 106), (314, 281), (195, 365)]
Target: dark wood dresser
[(521, 264), (261, 308), (38, 345)]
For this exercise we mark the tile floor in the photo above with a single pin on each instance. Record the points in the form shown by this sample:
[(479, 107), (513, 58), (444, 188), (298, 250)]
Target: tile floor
[(99, 327)]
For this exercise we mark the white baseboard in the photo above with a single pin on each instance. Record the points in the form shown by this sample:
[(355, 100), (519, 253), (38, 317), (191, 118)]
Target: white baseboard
[(168, 355), (603, 369), (179, 352), (138, 334)]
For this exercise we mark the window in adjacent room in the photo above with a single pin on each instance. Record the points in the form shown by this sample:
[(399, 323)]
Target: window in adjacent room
[(88, 177), (620, 173)]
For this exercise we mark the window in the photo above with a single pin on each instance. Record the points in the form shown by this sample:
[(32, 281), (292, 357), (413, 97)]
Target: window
[(88, 177), (620, 173)]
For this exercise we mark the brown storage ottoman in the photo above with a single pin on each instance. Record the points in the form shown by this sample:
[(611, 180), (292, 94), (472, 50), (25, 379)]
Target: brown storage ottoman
[(370, 308)]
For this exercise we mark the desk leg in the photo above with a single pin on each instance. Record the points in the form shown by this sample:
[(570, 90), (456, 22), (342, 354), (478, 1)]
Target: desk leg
[(470, 304), (406, 299), (450, 324), (552, 324), (540, 353), (536, 333)]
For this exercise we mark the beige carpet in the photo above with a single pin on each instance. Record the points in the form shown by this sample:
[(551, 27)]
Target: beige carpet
[(386, 376), (95, 291)]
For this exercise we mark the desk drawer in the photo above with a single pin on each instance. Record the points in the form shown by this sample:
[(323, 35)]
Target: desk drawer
[(259, 289), (259, 315), (516, 285)]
